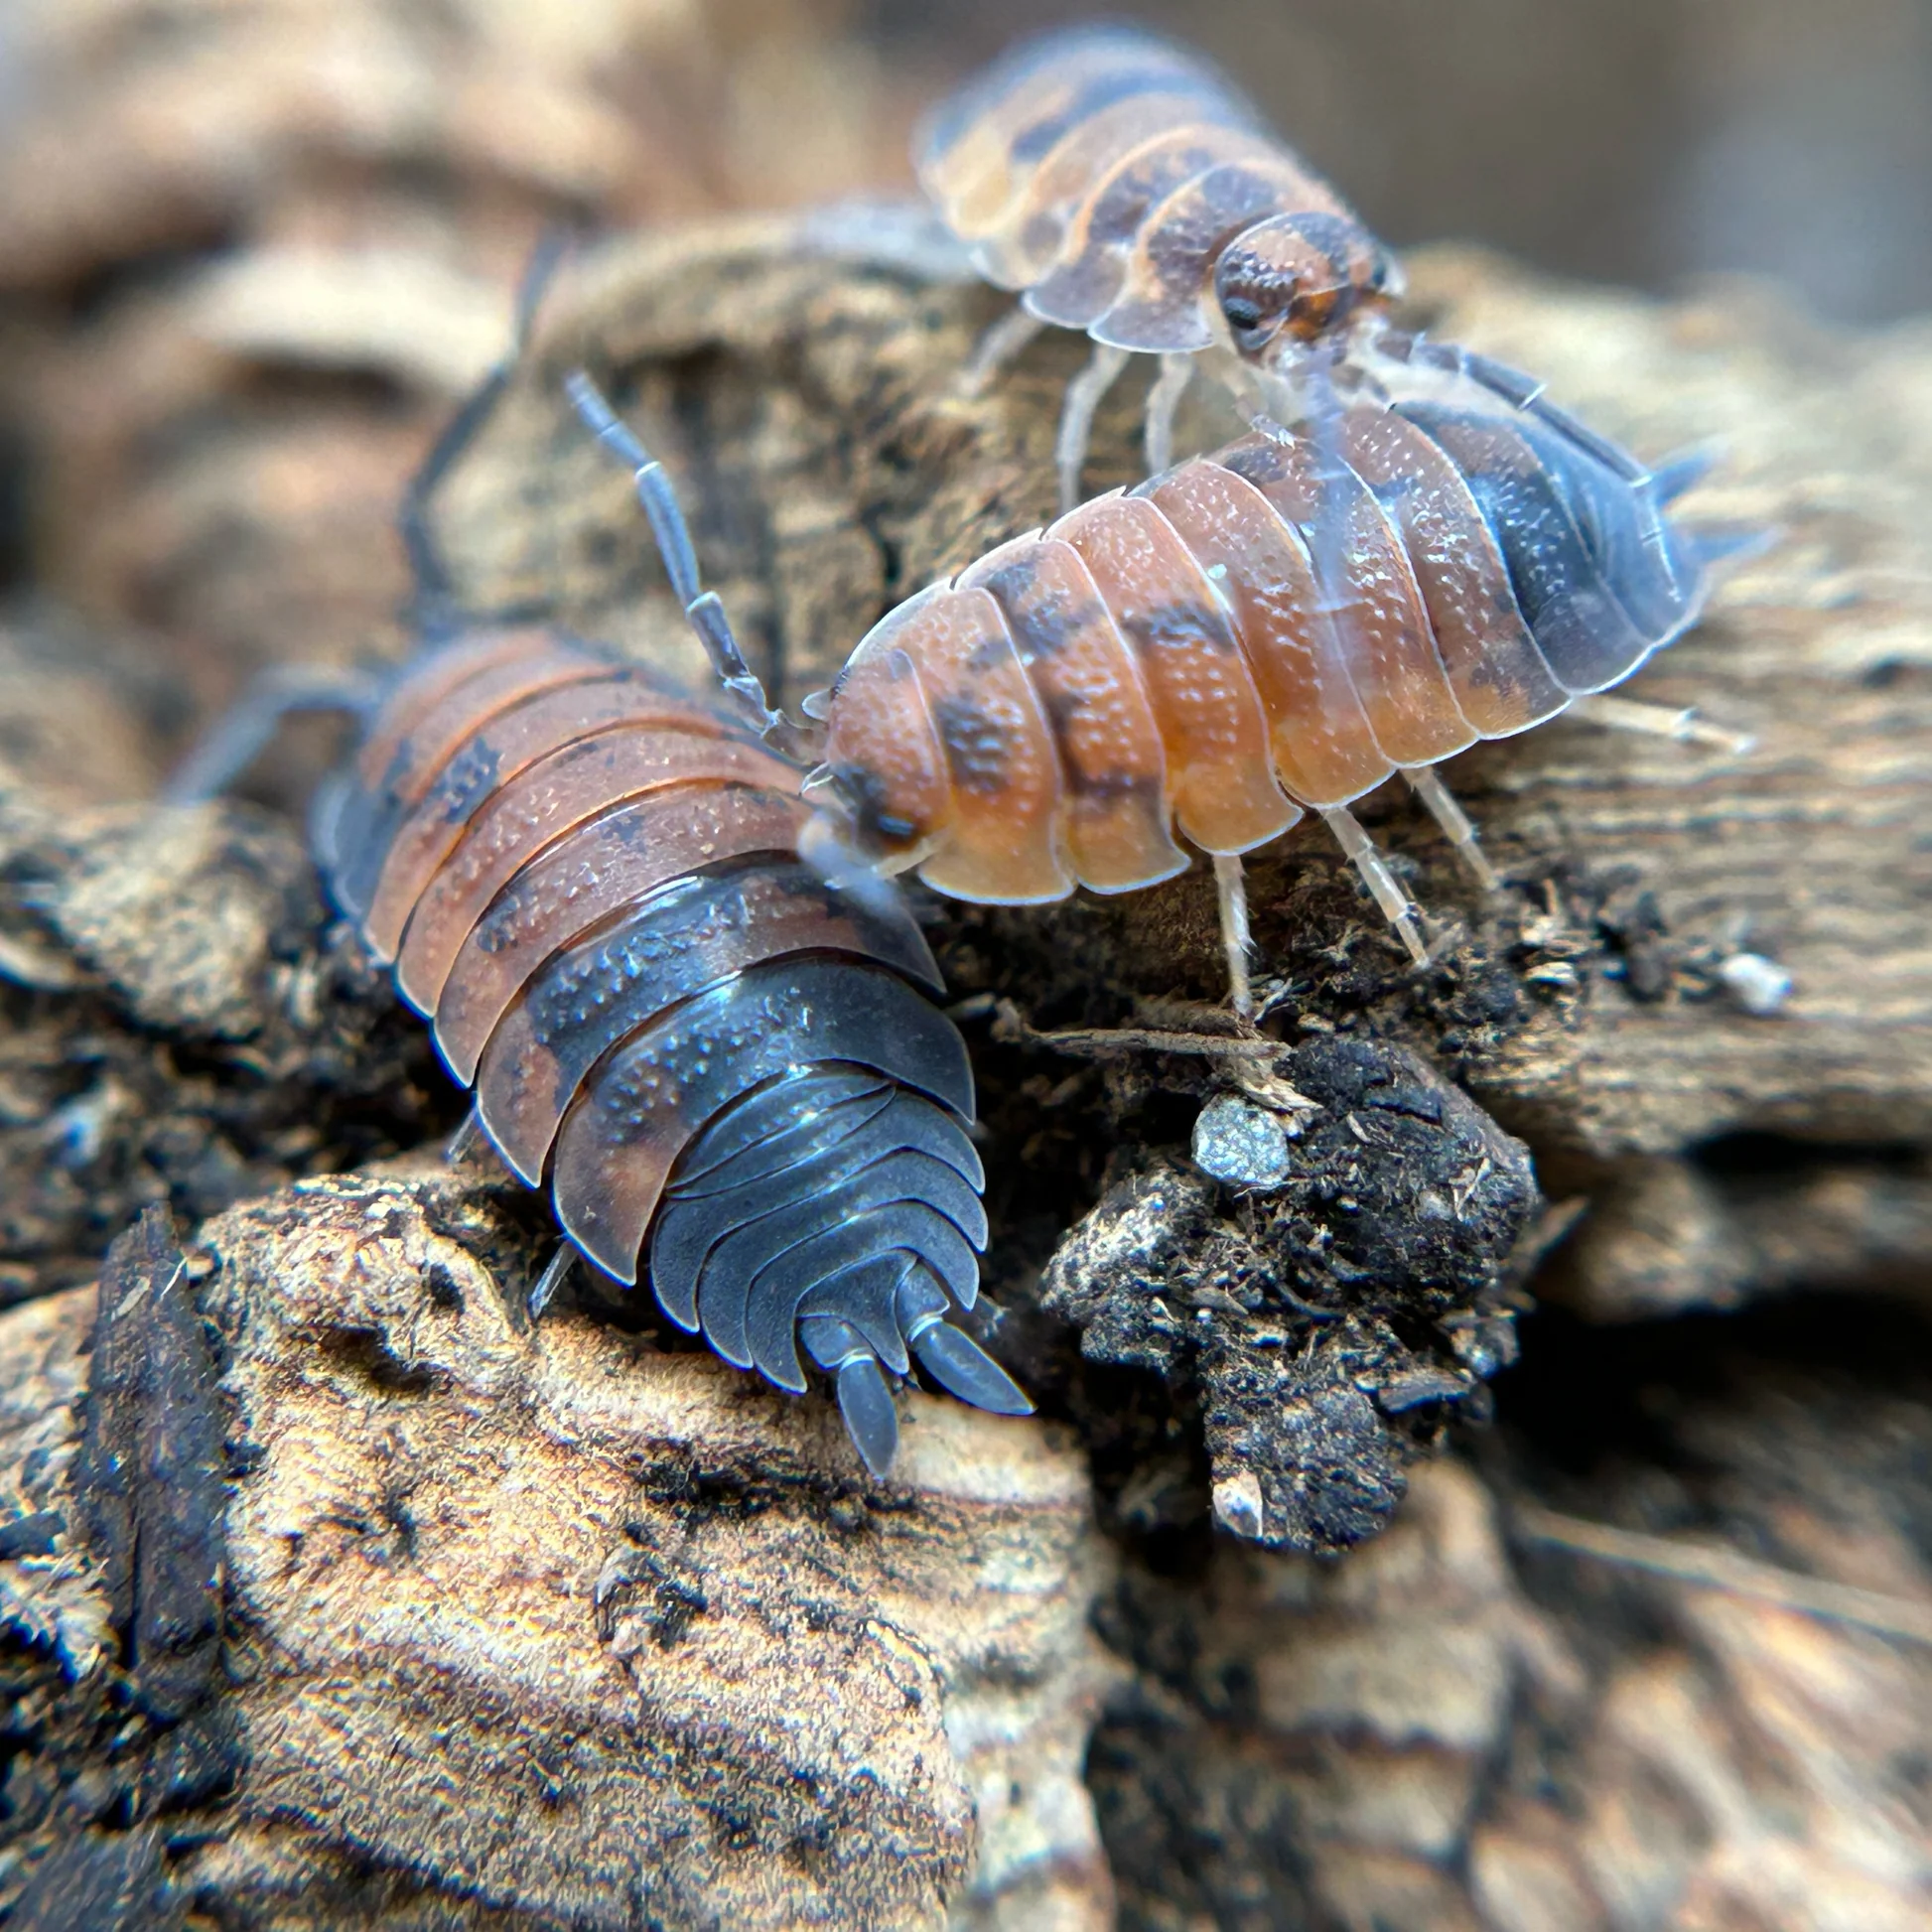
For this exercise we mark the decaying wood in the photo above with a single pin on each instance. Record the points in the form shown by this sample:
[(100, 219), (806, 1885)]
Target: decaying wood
[(1435, 1737), (150, 1494), (115, 1590), (182, 1026), (1333, 1324), (800, 382), (552, 1627), (573, 1626)]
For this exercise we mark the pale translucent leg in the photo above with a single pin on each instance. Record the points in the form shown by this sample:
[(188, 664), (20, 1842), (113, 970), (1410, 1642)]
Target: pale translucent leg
[(552, 1279), (996, 348), (464, 1141), (1397, 908), (1659, 721), (1231, 888), (1451, 816), (1163, 400), (1083, 396)]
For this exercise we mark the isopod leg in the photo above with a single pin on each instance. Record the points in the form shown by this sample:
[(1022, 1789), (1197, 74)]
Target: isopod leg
[(703, 610), (1453, 820), (1232, 889), (1659, 721), (996, 348), (462, 1142), (1163, 400), (1083, 396), (552, 1279), (1397, 908), (244, 732)]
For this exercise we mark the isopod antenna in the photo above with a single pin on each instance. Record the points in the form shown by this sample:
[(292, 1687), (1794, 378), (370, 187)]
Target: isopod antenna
[(704, 610), (435, 609)]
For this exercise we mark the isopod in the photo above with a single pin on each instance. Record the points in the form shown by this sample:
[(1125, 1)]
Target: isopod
[(1275, 628), (1125, 189), (727, 1068)]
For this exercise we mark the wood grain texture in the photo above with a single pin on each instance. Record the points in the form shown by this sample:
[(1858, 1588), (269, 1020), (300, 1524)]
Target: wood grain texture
[(539, 1628), (805, 401), (514, 1618)]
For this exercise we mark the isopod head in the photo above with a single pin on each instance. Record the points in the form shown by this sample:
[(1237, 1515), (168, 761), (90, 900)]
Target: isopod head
[(1294, 278), (885, 767)]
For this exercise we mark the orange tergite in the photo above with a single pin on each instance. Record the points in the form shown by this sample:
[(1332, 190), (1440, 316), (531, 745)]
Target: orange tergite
[(1125, 189), (727, 1068), (1278, 628)]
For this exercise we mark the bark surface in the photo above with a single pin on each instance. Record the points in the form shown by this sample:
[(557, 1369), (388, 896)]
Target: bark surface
[(332, 1594)]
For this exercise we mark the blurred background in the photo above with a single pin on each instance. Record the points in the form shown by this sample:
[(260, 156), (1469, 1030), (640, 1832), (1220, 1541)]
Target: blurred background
[(251, 250)]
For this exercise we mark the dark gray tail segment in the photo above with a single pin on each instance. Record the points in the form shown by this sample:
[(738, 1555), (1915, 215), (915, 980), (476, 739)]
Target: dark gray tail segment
[(836, 1209), (1603, 575)]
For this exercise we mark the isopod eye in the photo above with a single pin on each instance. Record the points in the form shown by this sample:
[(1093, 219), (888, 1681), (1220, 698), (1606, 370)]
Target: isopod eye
[(1255, 282), (1384, 275), (1250, 322)]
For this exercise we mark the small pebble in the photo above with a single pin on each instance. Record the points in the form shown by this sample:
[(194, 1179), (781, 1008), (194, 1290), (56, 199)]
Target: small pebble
[(1758, 986), (1240, 1144), (1237, 1502)]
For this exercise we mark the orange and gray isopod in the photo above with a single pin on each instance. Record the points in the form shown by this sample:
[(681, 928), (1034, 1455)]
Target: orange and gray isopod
[(592, 887), (1130, 193), (1283, 623)]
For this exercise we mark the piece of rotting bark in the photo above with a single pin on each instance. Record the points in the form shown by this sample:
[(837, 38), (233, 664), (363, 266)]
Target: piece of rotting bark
[(113, 1589), (150, 1482), (682, 1662)]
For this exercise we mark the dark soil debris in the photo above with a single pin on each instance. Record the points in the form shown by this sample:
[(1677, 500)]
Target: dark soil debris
[(1326, 1330), (186, 1024)]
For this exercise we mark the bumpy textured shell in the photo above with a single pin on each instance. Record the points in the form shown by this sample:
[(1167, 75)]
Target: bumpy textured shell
[(592, 887), (1282, 623), (1102, 171)]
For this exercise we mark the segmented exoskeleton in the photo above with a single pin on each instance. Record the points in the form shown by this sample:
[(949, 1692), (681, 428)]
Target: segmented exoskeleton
[(1127, 190), (727, 1068), (1282, 625)]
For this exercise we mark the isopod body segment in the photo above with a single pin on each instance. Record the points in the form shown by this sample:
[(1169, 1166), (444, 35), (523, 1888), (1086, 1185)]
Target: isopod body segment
[(1129, 192), (729, 1072), (1281, 626)]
